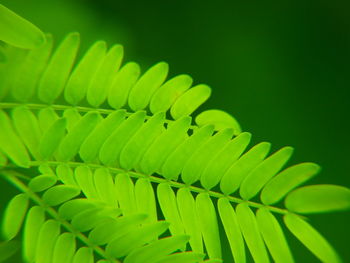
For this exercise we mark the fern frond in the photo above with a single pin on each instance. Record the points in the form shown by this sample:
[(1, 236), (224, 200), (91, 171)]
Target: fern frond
[(104, 132), (93, 222)]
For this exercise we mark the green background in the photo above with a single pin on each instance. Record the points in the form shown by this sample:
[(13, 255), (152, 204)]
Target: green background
[(281, 68)]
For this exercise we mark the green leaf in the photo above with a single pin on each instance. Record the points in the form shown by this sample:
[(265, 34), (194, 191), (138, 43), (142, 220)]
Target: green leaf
[(64, 248), (60, 194), (319, 199), (156, 250), (196, 164), (112, 228), (209, 225), (103, 78), (71, 143), (57, 71), (90, 218), (125, 192), (27, 127), (17, 31), (84, 254), (256, 180), (34, 221), (163, 145), (184, 257), (73, 117), (136, 238), (72, 207), (105, 187), (28, 76), (188, 102), (110, 150), (313, 240), (220, 119), (174, 164), (187, 209), (220, 163), (91, 146), (122, 84), (273, 236), (10, 69), (46, 117), (138, 144), (251, 233), (145, 87), (145, 199), (46, 169), (65, 174), (83, 73), (232, 230), (242, 167), (286, 181), (166, 95), (42, 182), (14, 215), (168, 205), (85, 180), (46, 241), (10, 144), (52, 138)]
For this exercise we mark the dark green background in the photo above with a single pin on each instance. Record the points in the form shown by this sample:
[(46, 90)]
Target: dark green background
[(282, 69)]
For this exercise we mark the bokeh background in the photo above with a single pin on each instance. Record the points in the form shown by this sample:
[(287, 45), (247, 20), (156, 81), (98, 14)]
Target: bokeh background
[(280, 67)]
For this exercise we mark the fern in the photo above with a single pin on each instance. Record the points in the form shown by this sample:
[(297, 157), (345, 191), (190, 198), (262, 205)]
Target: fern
[(102, 155)]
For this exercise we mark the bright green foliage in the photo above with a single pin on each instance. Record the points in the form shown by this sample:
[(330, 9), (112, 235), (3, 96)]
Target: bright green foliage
[(34, 221), (230, 222), (28, 129), (107, 165), (318, 199), (14, 215), (167, 94), (144, 88), (42, 182), (251, 233), (273, 236), (17, 31), (208, 223), (84, 254), (60, 194), (103, 78), (64, 248), (286, 181), (220, 119), (123, 82), (314, 241), (167, 202), (187, 209), (52, 138), (26, 80), (156, 250), (190, 101), (48, 235), (10, 143), (257, 178), (58, 68)]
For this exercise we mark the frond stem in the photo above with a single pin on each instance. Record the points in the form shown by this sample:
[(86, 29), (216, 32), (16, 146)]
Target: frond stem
[(33, 106), (159, 180)]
